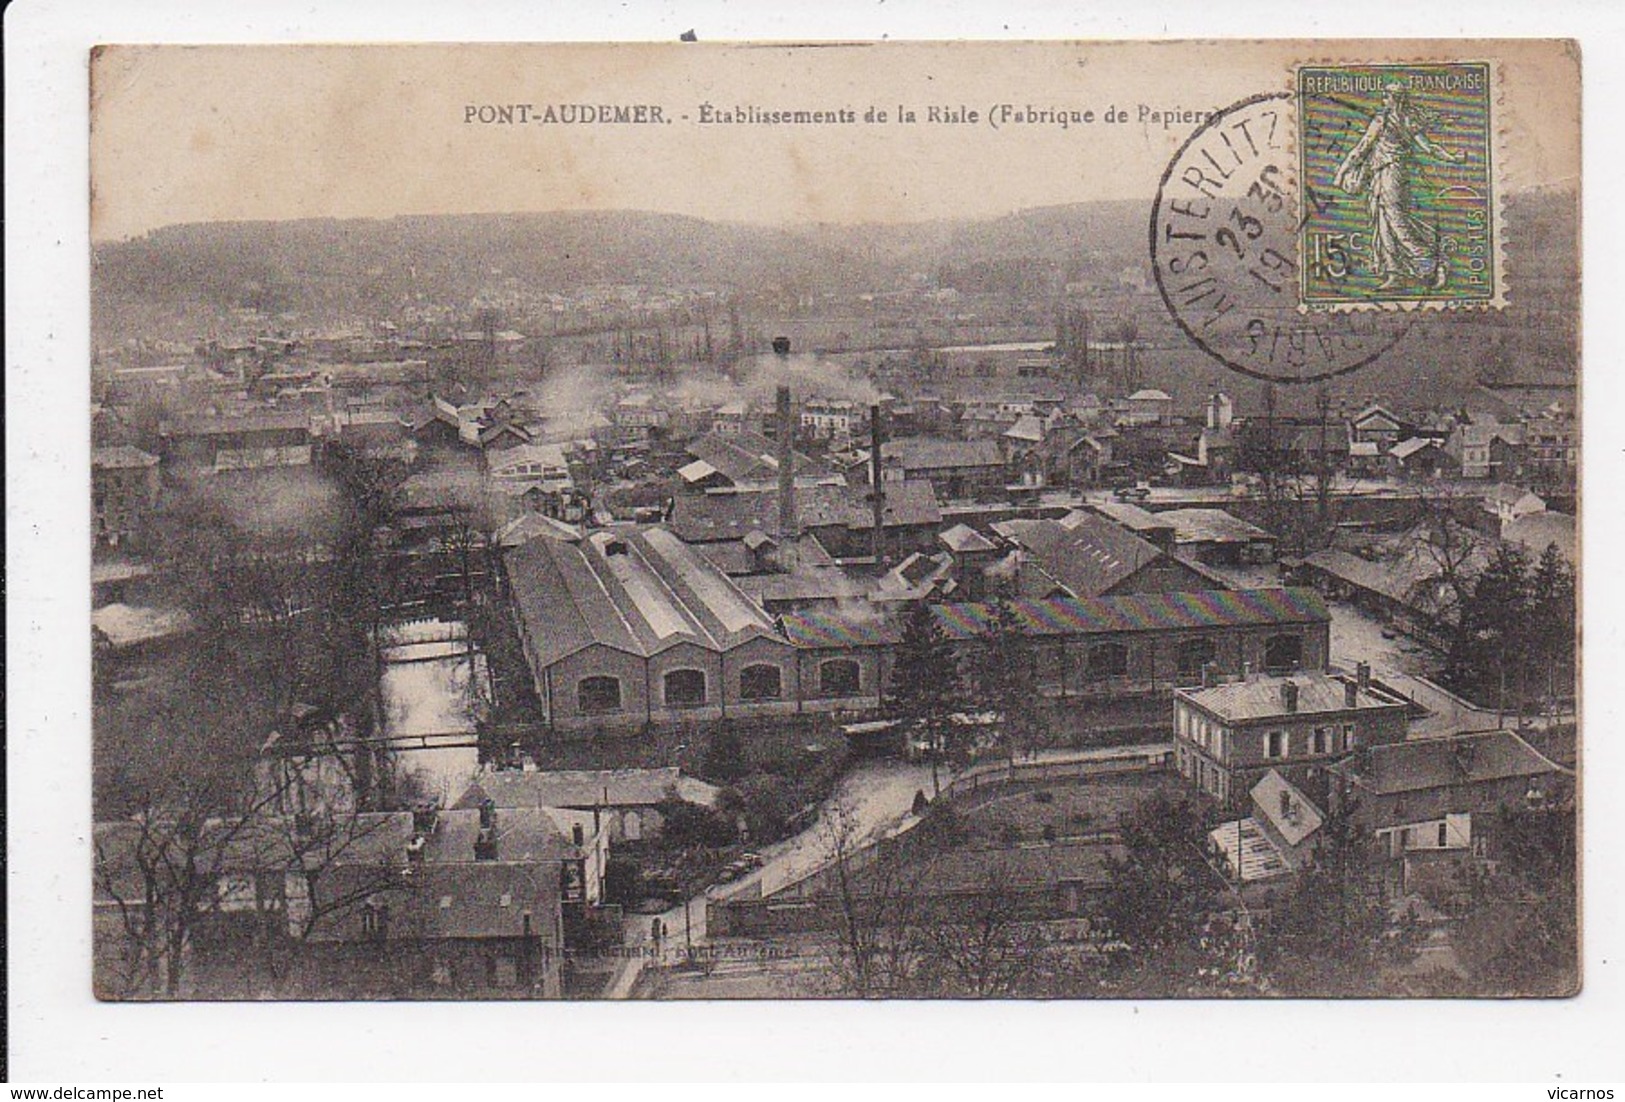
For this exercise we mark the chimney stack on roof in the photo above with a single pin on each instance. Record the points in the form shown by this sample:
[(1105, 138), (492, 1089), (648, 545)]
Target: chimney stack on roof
[(1362, 676), (1351, 694), (1289, 696)]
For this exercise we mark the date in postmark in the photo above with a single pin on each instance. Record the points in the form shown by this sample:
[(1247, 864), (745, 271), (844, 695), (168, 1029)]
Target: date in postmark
[(1224, 244), (1398, 186)]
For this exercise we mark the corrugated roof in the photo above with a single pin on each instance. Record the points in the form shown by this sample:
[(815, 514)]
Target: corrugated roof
[(1262, 697), (636, 591), (818, 630)]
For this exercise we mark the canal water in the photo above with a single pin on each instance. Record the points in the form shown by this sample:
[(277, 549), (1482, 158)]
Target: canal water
[(436, 683)]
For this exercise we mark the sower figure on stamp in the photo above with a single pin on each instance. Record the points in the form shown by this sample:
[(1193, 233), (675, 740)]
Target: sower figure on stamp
[(1380, 166)]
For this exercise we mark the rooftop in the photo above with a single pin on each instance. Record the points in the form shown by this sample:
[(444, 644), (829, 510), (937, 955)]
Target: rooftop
[(636, 591), (1419, 764), (963, 538), (924, 453), (1085, 553), (1141, 612), (1209, 526), (1262, 697)]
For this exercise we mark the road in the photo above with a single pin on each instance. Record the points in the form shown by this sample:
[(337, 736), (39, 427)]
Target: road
[(875, 798), (1401, 662)]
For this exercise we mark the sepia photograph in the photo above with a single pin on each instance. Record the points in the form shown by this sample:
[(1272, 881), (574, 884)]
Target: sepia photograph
[(945, 521)]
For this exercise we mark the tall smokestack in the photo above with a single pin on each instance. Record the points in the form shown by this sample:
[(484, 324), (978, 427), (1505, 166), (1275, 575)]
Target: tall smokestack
[(789, 524), (877, 493)]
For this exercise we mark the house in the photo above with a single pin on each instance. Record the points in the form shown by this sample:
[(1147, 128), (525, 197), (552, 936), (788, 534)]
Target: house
[(730, 419), (1417, 457), (123, 491), (1551, 447), (958, 469), (841, 517), (1228, 735), (1401, 583), (1506, 503), (1483, 447), (1147, 407), (830, 418), (1375, 425), (1423, 795), (1277, 839), (627, 801), (478, 903), (544, 464), (1085, 555)]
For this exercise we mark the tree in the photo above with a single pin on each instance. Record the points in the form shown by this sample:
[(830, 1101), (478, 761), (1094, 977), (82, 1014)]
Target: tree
[(1335, 933), (926, 690), (985, 948), (1162, 890), (877, 902), (1520, 933), (1494, 644), (1007, 681), (725, 760), (1553, 619)]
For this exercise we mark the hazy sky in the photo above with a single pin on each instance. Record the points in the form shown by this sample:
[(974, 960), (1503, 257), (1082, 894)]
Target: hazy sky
[(191, 134)]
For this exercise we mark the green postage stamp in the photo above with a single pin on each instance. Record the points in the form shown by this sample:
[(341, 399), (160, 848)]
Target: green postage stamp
[(1399, 203)]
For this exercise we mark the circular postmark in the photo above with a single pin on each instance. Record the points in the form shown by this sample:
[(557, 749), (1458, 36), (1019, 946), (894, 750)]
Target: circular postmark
[(1224, 249)]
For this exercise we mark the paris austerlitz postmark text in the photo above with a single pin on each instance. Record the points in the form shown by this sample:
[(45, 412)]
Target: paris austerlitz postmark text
[(1224, 241)]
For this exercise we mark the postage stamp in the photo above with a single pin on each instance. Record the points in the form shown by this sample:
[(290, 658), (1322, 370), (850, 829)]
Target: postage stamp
[(1398, 185)]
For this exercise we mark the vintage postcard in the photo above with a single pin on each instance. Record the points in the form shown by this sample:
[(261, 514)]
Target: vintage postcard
[(1066, 520)]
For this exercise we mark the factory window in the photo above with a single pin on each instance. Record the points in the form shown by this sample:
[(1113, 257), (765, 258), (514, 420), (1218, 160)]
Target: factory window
[(1195, 654), (685, 688), (599, 694), (1283, 652), (760, 682), (838, 677), (1108, 660)]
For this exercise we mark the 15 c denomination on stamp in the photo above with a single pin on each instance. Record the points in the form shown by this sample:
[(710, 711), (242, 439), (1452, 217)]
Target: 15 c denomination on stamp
[(1398, 199)]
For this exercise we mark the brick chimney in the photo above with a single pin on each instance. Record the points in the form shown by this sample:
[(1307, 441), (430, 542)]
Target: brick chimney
[(877, 485), (789, 522), (1362, 676), (1351, 694), (1289, 696)]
